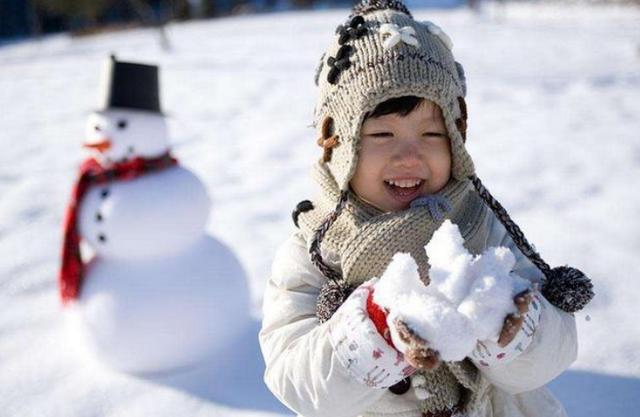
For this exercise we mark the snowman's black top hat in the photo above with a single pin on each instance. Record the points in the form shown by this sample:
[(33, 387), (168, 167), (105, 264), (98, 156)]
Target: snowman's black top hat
[(130, 85)]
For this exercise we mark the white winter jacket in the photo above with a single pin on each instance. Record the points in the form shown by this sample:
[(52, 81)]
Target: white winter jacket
[(304, 373)]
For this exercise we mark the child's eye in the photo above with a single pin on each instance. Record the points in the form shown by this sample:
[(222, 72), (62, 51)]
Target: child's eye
[(381, 134), (434, 135)]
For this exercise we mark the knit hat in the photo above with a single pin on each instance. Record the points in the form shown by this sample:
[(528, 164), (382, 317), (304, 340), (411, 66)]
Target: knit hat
[(381, 53)]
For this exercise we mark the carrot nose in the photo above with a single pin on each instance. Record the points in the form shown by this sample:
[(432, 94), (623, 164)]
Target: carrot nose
[(101, 146)]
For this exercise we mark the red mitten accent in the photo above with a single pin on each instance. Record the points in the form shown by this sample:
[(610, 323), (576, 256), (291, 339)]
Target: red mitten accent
[(379, 317)]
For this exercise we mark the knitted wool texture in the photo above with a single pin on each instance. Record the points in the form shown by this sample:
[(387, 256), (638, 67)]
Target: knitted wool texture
[(375, 73), (363, 241)]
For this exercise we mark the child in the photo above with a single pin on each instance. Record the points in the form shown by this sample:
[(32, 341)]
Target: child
[(393, 122)]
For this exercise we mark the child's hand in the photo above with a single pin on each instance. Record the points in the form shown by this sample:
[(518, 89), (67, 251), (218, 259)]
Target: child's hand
[(361, 348), (513, 322), (418, 354)]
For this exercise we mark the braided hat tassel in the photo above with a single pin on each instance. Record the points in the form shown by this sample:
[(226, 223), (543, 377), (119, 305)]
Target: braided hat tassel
[(336, 291), (566, 288)]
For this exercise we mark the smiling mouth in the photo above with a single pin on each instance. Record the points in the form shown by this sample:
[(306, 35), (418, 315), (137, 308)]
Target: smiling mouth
[(404, 190)]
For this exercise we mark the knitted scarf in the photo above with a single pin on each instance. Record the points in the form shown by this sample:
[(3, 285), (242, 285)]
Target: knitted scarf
[(363, 240), (92, 173)]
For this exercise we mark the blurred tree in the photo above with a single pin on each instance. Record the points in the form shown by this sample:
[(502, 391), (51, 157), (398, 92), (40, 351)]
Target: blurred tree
[(87, 10), (147, 16), (180, 9), (302, 3)]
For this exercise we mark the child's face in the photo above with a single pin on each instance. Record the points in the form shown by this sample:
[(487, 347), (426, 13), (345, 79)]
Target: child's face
[(402, 157)]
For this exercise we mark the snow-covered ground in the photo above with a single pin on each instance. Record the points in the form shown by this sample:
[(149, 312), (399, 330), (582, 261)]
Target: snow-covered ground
[(554, 99)]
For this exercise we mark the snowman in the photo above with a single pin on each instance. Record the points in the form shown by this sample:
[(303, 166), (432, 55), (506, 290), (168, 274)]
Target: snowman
[(150, 291)]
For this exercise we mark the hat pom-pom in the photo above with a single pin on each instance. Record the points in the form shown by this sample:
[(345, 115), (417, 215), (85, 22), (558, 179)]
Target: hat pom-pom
[(331, 296), (568, 289)]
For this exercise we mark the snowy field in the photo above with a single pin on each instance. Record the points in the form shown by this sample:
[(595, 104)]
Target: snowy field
[(554, 99)]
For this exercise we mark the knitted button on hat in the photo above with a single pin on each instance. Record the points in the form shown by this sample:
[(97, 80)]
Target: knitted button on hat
[(380, 53)]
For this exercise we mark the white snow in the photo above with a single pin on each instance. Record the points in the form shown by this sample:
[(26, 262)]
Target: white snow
[(554, 98), (438, 322), (481, 288), (400, 277), (425, 310), (449, 263), (466, 301)]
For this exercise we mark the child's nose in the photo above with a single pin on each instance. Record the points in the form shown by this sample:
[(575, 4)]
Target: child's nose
[(407, 153)]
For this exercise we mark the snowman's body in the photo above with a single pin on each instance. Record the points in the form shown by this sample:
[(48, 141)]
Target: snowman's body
[(163, 314), (154, 215), (158, 293)]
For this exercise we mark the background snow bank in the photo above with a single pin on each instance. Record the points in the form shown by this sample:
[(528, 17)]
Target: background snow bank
[(554, 103)]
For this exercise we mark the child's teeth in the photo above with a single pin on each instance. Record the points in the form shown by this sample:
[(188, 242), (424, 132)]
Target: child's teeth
[(404, 183)]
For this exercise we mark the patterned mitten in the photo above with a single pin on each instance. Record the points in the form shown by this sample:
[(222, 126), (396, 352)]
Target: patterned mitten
[(516, 335), (365, 351), (416, 349)]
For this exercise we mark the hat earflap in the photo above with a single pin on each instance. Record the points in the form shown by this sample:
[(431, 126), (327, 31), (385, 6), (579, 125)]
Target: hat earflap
[(566, 288)]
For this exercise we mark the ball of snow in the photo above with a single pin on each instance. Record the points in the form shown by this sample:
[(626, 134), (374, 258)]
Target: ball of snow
[(449, 263), (453, 284), (437, 321), (445, 244), (487, 305), (490, 297), (466, 300), (400, 278), (494, 259)]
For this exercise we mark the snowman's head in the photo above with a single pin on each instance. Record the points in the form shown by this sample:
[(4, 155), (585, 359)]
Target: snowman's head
[(117, 135)]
